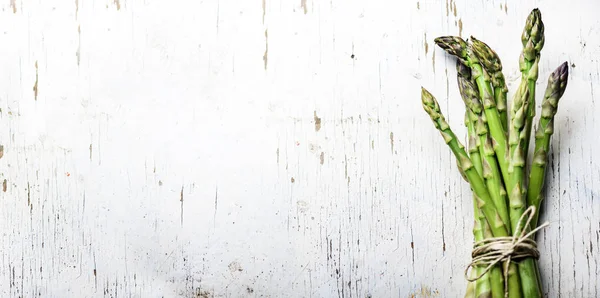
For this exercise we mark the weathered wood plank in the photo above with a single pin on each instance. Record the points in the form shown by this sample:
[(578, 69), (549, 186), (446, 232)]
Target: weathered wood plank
[(267, 148)]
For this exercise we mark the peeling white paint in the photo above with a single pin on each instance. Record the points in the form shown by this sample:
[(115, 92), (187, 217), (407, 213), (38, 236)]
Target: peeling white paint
[(163, 159)]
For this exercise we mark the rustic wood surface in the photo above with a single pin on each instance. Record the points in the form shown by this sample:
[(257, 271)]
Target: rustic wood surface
[(268, 148)]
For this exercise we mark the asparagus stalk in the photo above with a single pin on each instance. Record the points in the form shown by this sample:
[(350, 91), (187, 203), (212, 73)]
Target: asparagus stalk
[(483, 286), (456, 46), (557, 83), (493, 66), (533, 42), (516, 141)]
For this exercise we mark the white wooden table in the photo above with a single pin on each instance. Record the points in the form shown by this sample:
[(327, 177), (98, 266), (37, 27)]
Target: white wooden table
[(268, 149)]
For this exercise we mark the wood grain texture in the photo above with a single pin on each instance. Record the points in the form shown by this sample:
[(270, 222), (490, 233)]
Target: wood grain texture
[(268, 148)]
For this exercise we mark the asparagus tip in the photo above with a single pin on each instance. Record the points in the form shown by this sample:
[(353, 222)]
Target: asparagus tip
[(559, 78), (561, 73), (484, 53), (534, 16), (563, 69), (533, 32), (432, 108), (426, 97), (454, 45), (557, 84)]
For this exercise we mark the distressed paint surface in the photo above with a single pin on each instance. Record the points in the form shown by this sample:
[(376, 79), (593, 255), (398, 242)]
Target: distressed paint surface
[(179, 150)]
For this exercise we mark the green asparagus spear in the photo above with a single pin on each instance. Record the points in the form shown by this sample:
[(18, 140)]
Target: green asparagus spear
[(493, 66), (557, 83), (516, 141), (533, 42)]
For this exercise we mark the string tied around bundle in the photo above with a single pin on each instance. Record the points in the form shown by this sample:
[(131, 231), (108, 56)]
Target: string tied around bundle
[(506, 249)]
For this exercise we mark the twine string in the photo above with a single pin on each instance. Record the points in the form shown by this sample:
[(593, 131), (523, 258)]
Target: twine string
[(492, 251)]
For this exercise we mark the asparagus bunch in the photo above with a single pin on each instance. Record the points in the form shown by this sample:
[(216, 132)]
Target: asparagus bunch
[(496, 162)]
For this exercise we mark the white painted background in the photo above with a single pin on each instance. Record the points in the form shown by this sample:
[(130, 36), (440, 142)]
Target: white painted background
[(267, 149)]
